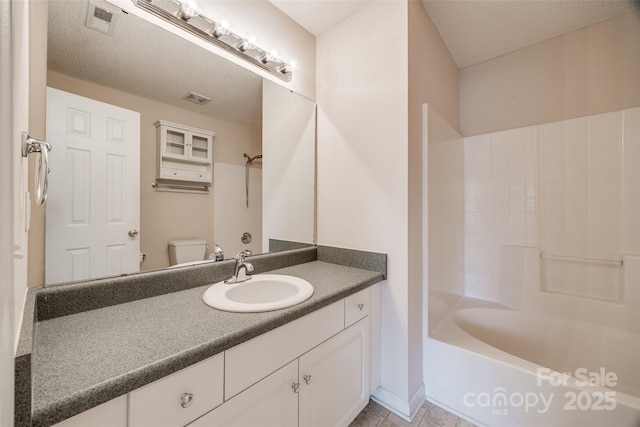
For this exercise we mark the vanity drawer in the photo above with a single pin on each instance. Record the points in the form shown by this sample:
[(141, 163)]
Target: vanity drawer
[(179, 398), (253, 360), (356, 307)]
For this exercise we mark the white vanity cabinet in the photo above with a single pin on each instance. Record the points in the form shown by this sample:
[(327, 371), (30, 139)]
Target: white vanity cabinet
[(184, 153), (311, 372), (314, 371), (327, 386)]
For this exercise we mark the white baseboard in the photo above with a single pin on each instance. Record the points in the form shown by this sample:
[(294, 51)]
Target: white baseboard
[(402, 408)]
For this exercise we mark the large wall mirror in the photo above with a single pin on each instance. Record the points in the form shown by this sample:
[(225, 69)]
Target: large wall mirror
[(138, 66)]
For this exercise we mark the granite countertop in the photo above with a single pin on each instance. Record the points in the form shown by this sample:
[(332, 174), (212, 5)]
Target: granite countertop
[(85, 359)]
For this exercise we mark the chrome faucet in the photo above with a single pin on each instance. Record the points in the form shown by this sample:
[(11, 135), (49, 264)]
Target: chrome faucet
[(242, 268), (217, 253)]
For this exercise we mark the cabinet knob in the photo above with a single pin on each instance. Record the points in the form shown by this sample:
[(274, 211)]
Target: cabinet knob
[(186, 400), (307, 379), (295, 387), (361, 307)]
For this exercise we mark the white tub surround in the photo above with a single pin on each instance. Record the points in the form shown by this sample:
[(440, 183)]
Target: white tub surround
[(551, 255)]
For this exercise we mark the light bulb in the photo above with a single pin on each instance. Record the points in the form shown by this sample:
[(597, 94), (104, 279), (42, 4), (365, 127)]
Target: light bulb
[(285, 69), (244, 45), (218, 30), (188, 9)]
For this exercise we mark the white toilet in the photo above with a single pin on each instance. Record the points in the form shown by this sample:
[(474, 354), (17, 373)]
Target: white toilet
[(187, 251)]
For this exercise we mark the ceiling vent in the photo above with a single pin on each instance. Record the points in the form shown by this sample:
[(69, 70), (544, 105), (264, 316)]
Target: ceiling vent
[(101, 19), (196, 98)]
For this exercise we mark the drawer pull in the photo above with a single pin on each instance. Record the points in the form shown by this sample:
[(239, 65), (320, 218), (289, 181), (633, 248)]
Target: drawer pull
[(361, 307), (186, 400), (307, 379), (295, 387)]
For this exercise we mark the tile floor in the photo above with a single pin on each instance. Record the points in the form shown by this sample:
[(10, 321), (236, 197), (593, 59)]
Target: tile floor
[(430, 415)]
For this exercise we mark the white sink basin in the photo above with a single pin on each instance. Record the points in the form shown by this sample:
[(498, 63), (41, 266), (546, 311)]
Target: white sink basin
[(263, 292)]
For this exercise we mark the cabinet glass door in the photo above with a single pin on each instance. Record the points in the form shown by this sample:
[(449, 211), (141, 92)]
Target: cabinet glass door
[(200, 147), (175, 144)]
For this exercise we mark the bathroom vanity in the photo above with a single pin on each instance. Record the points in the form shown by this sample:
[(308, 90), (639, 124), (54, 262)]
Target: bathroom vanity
[(170, 360)]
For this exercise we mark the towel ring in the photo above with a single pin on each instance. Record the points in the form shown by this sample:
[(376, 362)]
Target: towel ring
[(32, 145)]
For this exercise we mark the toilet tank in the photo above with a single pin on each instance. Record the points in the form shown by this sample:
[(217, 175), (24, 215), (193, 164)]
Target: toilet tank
[(181, 251)]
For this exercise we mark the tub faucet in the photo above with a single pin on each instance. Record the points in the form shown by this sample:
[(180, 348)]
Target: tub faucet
[(217, 253), (242, 268)]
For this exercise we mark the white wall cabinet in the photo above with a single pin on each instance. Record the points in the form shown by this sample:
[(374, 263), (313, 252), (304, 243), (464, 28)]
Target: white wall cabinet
[(184, 153)]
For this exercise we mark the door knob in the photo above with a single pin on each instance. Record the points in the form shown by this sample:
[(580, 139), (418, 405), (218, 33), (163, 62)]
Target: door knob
[(133, 233)]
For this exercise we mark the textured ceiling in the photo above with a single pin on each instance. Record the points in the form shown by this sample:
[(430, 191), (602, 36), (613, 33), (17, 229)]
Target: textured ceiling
[(479, 30), (148, 61)]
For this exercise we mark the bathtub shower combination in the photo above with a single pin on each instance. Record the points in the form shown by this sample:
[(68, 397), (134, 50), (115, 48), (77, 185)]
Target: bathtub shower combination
[(543, 327)]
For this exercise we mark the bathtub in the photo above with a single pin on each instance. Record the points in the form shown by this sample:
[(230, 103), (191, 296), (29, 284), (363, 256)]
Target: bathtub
[(499, 367)]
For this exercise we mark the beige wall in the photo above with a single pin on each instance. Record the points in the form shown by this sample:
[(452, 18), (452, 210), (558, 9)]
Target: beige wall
[(370, 137), (164, 216), (433, 79), (362, 166), (37, 105), (585, 72), (433, 74)]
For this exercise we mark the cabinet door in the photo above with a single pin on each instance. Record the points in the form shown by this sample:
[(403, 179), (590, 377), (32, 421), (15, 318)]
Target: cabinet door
[(334, 378), (200, 147), (174, 142), (272, 402)]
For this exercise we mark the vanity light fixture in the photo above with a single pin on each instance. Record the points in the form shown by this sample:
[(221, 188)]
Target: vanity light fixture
[(186, 14)]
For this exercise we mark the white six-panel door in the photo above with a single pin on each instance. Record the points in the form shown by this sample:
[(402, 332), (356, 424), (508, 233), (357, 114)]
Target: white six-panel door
[(94, 191)]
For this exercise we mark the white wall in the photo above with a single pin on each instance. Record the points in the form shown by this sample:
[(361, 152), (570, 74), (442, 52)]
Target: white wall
[(362, 168), (14, 117), (272, 29), (288, 166)]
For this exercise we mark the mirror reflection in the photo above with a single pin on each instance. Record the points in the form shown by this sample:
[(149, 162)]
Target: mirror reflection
[(134, 65)]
